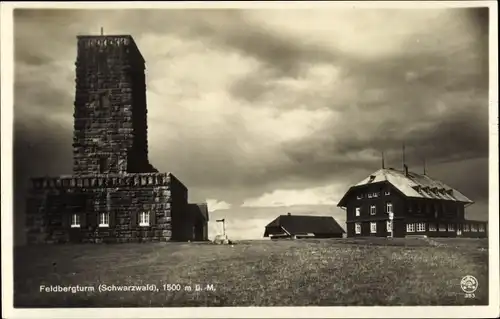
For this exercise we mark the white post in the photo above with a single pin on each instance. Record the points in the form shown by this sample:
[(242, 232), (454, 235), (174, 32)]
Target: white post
[(391, 217), (223, 225)]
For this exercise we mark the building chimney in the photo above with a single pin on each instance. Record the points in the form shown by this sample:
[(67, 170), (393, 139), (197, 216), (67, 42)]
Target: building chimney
[(289, 214), (383, 162), (424, 167), (406, 169)]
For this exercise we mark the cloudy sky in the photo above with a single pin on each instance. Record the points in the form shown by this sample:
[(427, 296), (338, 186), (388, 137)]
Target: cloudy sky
[(263, 112)]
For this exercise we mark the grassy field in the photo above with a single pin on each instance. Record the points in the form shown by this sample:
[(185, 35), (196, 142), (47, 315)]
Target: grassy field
[(256, 273)]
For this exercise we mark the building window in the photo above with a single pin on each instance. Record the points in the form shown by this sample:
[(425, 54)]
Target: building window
[(373, 228), (388, 208), (410, 228), (104, 219), (481, 228), (144, 219), (466, 227), (75, 221), (420, 227), (388, 225), (373, 210), (357, 228), (451, 227), (359, 197), (358, 211), (387, 192), (432, 227), (473, 228), (370, 195), (442, 227)]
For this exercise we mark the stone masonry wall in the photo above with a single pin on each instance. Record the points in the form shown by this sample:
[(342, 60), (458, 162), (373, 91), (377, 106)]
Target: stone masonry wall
[(110, 118), (52, 201)]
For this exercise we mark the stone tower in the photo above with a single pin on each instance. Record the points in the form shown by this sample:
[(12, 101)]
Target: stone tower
[(114, 193), (110, 118)]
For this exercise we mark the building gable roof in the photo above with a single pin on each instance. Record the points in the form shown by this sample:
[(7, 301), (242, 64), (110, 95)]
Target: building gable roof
[(300, 224), (412, 185), (199, 208)]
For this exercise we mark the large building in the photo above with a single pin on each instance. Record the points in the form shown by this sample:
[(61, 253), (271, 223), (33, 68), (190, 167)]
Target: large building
[(114, 194), (400, 203), (301, 226)]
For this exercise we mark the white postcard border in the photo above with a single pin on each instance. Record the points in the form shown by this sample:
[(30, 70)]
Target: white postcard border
[(7, 75)]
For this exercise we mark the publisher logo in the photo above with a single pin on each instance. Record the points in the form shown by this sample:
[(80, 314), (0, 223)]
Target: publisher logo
[(469, 285)]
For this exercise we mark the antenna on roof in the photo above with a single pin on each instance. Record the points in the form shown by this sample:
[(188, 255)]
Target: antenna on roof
[(102, 31), (404, 162), (383, 162)]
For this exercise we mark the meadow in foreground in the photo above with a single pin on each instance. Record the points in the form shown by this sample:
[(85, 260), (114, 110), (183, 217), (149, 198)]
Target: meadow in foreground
[(335, 272)]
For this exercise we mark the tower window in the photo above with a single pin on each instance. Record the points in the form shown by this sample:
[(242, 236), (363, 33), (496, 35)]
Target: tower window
[(75, 221), (144, 219), (103, 165), (103, 100), (104, 219)]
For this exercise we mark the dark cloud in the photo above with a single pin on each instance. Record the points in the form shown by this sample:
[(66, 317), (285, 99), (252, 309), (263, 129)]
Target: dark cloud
[(40, 149)]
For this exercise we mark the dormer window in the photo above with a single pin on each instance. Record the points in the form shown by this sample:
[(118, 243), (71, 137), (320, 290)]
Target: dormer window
[(372, 177)]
